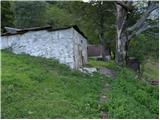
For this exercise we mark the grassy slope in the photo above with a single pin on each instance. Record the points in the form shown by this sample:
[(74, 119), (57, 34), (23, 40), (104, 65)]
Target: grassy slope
[(129, 97), (151, 70), (41, 88)]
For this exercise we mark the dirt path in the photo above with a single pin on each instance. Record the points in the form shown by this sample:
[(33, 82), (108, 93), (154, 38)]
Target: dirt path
[(105, 87), (103, 99)]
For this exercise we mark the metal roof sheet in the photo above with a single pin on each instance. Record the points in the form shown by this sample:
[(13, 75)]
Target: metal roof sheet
[(48, 28)]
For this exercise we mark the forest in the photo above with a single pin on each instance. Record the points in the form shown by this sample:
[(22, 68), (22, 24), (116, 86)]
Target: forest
[(128, 29)]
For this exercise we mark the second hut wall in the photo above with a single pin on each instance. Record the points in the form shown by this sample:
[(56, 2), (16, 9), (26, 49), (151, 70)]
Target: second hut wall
[(80, 49)]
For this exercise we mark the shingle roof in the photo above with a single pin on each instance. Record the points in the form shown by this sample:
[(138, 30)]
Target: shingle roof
[(48, 28)]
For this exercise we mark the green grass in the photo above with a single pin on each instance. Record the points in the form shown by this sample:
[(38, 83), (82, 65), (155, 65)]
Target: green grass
[(34, 87), (41, 88), (128, 96), (131, 98), (109, 64), (151, 70)]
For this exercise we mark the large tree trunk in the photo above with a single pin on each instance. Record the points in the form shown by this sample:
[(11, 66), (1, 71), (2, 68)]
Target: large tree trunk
[(101, 29), (121, 42)]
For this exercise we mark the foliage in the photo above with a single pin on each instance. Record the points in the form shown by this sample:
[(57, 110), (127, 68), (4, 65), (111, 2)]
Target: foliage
[(88, 19), (63, 14), (6, 15), (29, 14), (143, 46), (57, 16)]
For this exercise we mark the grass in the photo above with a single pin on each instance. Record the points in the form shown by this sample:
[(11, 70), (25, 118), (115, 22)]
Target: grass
[(110, 64), (131, 98), (128, 96), (41, 88), (34, 87), (151, 70)]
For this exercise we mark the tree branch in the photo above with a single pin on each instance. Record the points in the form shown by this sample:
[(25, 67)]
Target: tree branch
[(127, 5), (152, 6), (142, 29), (153, 34)]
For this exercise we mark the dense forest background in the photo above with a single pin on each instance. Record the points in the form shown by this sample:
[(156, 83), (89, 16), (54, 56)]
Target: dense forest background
[(88, 17)]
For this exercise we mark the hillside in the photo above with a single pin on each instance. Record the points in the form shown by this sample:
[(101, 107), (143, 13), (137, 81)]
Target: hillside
[(34, 87)]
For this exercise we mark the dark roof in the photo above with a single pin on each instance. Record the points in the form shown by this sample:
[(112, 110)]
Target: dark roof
[(22, 31), (11, 30), (48, 28)]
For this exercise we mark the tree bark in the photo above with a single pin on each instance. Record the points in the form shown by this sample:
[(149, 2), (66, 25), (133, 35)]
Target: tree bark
[(101, 30), (121, 42)]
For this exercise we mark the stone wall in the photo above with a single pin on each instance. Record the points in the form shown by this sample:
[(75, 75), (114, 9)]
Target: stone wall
[(80, 49), (5, 42), (59, 45)]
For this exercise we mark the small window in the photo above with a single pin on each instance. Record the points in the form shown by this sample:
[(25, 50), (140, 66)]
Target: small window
[(81, 41)]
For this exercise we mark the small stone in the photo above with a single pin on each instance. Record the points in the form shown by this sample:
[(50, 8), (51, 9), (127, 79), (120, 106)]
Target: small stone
[(103, 115), (88, 70), (106, 85), (104, 97), (30, 112)]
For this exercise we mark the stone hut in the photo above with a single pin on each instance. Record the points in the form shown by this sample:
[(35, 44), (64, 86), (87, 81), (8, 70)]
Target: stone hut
[(68, 44)]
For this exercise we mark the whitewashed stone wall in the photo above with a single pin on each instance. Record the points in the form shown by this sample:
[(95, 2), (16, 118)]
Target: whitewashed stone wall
[(5, 42), (80, 49), (56, 44)]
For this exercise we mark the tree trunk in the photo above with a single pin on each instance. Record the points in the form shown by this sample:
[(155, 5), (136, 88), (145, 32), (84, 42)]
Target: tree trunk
[(112, 53), (109, 50), (101, 28), (121, 42), (102, 45), (140, 26)]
